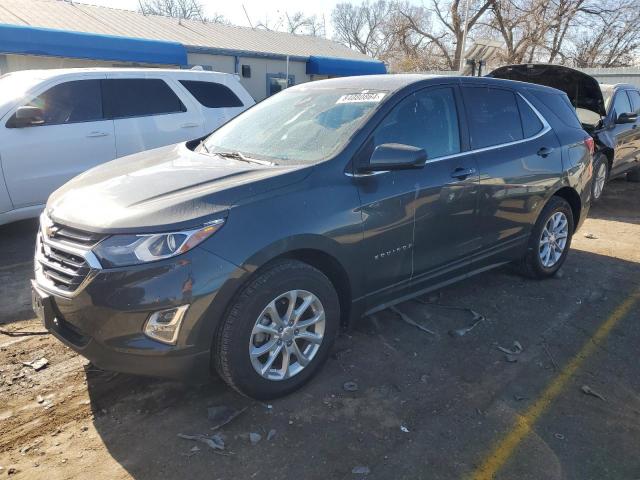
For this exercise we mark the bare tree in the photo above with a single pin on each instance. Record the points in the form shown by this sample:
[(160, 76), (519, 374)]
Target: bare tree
[(364, 27), (181, 9), (296, 23)]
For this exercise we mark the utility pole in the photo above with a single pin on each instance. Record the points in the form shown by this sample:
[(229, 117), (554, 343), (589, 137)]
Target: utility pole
[(464, 36)]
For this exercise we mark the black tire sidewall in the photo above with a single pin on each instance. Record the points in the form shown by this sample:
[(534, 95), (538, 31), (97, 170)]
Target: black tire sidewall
[(556, 204), (255, 297)]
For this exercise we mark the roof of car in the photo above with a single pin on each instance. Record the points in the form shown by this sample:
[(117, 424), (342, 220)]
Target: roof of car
[(54, 72), (394, 82)]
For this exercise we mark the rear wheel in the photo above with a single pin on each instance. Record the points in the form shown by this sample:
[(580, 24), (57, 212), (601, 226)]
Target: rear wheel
[(279, 331), (600, 177), (634, 175), (550, 240)]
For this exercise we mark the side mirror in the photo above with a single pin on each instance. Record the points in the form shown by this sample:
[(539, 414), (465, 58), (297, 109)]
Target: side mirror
[(627, 118), (26, 116), (396, 156)]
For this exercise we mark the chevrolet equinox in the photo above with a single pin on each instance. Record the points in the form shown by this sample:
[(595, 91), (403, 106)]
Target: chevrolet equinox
[(244, 252)]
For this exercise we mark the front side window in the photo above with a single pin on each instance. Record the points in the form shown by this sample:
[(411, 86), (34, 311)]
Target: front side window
[(70, 102), (493, 116), (133, 97), (634, 96), (211, 94), (621, 103), (298, 125), (427, 120)]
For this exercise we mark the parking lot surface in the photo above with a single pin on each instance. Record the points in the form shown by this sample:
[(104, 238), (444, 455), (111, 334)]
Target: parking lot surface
[(424, 405)]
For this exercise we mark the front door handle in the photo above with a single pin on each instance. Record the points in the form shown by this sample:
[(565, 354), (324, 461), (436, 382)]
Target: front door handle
[(545, 152), (461, 173), (97, 134)]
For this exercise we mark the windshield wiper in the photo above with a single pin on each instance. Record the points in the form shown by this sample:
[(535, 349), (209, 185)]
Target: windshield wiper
[(243, 158)]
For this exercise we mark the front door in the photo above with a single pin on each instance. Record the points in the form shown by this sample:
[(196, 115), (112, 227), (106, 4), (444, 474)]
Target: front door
[(73, 137), (416, 220), (624, 134)]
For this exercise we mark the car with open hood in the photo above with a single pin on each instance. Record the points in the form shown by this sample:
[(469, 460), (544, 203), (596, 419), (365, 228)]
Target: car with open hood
[(244, 252), (608, 112)]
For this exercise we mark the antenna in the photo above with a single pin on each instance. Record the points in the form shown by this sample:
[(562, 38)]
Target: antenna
[(247, 15)]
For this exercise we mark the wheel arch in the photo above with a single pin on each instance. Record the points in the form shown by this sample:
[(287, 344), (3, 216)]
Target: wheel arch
[(573, 199)]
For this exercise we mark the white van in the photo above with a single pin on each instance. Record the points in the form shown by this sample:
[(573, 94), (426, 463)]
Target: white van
[(55, 124)]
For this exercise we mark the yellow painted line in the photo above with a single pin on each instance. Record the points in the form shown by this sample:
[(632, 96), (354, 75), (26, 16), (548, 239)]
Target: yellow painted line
[(523, 424)]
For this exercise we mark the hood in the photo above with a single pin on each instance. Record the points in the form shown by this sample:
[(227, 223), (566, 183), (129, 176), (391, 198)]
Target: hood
[(583, 90), (163, 189)]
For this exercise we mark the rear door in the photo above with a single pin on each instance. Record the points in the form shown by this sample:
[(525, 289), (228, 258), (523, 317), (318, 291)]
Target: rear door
[(148, 113), (74, 137), (519, 160)]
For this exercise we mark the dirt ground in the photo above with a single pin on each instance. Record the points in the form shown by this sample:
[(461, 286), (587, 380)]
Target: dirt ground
[(428, 406)]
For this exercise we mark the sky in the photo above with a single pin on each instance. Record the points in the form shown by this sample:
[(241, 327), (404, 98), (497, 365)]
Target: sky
[(258, 10)]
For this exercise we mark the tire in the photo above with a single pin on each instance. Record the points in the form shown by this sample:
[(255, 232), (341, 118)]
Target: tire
[(237, 334), (600, 167), (532, 264), (634, 175)]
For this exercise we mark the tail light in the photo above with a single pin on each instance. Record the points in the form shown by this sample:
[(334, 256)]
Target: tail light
[(590, 144)]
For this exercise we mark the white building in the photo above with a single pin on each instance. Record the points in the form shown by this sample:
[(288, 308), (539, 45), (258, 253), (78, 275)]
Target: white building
[(56, 34)]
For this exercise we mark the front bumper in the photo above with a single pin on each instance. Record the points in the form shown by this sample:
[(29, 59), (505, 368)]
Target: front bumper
[(104, 320)]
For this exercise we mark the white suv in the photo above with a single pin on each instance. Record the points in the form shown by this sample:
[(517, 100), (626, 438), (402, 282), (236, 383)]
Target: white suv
[(55, 124)]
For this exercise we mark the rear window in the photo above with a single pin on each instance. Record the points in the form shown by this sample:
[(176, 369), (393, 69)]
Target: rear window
[(531, 124), (560, 105), (493, 116), (132, 97), (211, 94)]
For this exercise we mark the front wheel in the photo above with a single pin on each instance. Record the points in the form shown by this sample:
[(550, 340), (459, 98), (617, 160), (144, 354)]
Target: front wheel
[(279, 330), (550, 240)]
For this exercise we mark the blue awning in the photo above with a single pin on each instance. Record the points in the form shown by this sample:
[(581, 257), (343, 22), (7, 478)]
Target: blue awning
[(27, 40), (343, 66)]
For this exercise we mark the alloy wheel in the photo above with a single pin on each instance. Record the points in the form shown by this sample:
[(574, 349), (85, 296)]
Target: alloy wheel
[(287, 335), (599, 181), (553, 240)]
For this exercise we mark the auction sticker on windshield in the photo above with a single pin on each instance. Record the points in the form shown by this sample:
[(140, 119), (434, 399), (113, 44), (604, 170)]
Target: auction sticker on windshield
[(361, 97)]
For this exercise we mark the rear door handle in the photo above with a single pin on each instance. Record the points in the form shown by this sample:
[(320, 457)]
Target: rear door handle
[(190, 125), (97, 134), (462, 173), (545, 151)]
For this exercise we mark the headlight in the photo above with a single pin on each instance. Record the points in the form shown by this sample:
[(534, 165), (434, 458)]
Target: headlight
[(122, 250)]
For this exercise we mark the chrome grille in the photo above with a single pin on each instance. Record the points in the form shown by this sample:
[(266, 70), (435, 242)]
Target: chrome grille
[(64, 260)]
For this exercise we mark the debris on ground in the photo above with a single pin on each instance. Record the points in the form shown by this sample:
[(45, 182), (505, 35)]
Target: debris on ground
[(591, 236), (271, 434), (553, 360), (222, 415), (510, 358), (519, 398), (516, 350), (589, 391), (559, 436), (22, 333), (477, 318), (350, 386), (38, 364), (361, 470), (254, 438), (404, 429), (215, 442), (405, 318)]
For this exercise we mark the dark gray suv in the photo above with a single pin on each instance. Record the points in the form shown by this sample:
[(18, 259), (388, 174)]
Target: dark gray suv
[(245, 252)]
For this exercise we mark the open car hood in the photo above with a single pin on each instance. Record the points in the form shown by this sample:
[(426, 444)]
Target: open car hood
[(583, 90)]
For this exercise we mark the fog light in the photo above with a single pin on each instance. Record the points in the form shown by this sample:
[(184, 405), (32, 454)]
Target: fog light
[(164, 325)]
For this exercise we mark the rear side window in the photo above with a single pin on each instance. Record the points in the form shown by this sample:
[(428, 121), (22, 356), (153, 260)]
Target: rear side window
[(70, 102), (212, 95), (531, 124), (635, 100), (493, 116), (559, 104), (132, 97)]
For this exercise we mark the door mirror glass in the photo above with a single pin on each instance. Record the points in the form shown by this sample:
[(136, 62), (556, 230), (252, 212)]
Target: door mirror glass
[(396, 156), (27, 116), (627, 118)]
